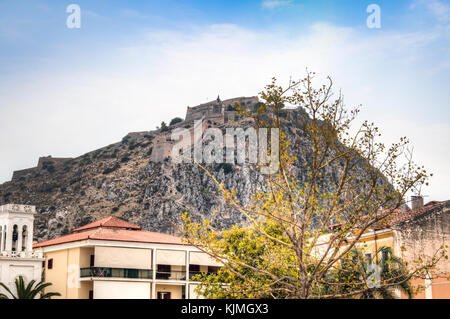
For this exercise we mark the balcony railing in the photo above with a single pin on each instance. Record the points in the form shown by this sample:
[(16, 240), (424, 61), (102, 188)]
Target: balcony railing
[(171, 275), (106, 272)]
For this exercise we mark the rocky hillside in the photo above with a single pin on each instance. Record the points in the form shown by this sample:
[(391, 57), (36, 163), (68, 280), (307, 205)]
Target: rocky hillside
[(122, 180)]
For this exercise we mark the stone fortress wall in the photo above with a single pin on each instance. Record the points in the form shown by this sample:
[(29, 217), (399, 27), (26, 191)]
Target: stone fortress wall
[(54, 160), (217, 109), (213, 113)]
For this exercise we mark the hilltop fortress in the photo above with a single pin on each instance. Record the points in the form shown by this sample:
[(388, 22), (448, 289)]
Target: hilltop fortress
[(213, 113), (217, 110)]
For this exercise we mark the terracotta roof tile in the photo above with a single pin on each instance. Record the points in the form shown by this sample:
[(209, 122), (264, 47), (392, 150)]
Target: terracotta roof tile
[(114, 229), (405, 216), (109, 221), (400, 216)]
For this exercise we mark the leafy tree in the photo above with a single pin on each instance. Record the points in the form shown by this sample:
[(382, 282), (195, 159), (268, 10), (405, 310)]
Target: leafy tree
[(175, 121), (292, 244), (164, 127), (30, 291), (356, 273)]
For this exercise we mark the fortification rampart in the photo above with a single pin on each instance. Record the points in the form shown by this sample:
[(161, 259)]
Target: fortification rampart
[(43, 162)]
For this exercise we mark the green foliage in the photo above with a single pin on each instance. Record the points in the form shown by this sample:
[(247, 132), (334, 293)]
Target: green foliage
[(148, 136), (253, 251), (164, 127), (49, 166), (132, 145), (111, 169), (292, 248), (175, 121), (352, 275), (31, 291), (227, 168)]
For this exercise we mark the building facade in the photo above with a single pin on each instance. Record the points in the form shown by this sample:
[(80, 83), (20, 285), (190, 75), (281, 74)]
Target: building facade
[(111, 259), (16, 239), (412, 234)]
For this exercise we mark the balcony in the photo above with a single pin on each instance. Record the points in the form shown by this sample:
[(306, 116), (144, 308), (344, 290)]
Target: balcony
[(171, 275), (108, 272), (105, 272)]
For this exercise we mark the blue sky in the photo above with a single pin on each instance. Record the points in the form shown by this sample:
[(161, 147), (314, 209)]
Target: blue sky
[(133, 64)]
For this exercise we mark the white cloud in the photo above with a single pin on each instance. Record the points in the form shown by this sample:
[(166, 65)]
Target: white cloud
[(273, 4), (439, 9)]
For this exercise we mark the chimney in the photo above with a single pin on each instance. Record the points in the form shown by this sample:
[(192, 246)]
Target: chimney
[(416, 202), (404, 206)]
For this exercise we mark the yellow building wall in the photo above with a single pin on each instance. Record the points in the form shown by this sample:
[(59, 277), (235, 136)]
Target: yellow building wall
[(370, 245), (85, 287), (58, 274), (64, 275), (85, 256)]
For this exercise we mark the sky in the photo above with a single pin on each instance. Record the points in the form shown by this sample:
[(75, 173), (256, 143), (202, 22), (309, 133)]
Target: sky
[(132, 64)]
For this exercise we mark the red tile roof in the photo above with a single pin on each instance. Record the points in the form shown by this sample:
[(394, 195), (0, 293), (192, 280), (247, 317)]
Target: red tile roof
[(402, 216), (398, 215), (113, 233), (109, 221)]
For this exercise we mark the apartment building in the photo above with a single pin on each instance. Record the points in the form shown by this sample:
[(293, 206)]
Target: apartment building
[(412, 233), (111, 258)]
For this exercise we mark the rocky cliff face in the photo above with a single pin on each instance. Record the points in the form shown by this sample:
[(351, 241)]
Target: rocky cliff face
[(122, 180)]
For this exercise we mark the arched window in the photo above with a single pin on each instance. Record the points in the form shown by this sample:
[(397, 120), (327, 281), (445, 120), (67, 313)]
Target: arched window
[(24, 238), (15, 237), (4, 237), (1, 238)]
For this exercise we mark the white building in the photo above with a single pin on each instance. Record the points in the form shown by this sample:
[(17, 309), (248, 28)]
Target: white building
[(111, 258), (16, 240)]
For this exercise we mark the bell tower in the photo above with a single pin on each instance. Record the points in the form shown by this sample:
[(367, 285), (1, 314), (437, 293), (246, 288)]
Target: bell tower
[(16, 229)]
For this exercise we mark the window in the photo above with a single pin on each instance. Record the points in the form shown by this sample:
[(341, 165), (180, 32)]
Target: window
[(194, 268), (163, 295), (213, 269), (92, 261), (91, 294), (50, 263), (131, 273), (163, 272)]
